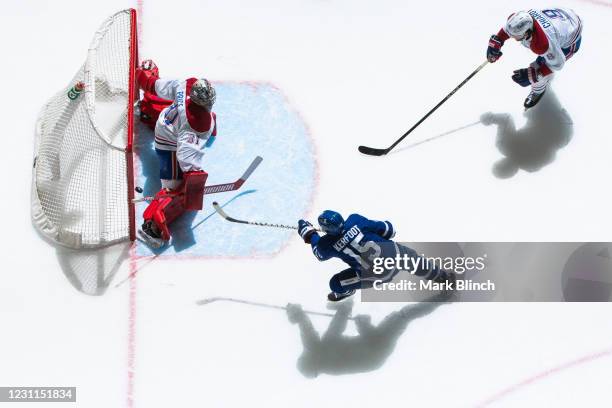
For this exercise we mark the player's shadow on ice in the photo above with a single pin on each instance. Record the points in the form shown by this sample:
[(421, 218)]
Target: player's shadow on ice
[(534, 146), (182, 233), (334, 353)]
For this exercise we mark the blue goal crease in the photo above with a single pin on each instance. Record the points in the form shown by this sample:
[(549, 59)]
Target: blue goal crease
[(252, 121)]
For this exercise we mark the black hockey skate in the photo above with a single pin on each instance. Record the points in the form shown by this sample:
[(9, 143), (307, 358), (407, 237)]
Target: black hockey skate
[(336, 297), (533, 99), (151, 235)]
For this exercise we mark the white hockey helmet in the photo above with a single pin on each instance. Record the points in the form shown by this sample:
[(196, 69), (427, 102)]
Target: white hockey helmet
[(202, 93), (519, 25)]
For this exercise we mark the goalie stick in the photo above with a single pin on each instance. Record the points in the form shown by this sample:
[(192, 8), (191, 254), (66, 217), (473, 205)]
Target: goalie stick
[(223, 214), (372, 151), (217, 188)]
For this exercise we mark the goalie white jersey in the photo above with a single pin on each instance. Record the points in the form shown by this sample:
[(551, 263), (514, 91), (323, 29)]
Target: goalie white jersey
[(183, 127)]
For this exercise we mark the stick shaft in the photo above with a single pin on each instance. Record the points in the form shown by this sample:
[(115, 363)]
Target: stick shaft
[(446, 98), (223, 214), (378, 152)]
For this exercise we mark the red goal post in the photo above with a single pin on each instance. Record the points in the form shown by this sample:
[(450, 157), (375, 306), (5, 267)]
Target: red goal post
[(83, 173)]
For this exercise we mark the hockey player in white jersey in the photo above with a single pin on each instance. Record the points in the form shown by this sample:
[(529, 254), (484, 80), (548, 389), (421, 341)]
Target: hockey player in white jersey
[(184, 126), (553, 34)]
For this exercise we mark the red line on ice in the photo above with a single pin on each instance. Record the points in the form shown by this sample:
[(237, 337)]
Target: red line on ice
[(131, 363), (545, 374), (598, 2)]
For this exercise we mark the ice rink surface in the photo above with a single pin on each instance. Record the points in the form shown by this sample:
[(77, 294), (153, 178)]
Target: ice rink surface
[(345, 73)]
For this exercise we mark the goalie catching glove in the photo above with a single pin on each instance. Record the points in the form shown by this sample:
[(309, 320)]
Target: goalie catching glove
[(149, 65), (146, 75)]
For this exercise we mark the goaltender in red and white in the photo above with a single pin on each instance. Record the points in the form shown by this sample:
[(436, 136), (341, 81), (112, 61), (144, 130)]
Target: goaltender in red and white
[(181, 113)]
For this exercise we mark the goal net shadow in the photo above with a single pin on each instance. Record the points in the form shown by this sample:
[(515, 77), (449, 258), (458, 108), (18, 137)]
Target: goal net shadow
[(90, 271)]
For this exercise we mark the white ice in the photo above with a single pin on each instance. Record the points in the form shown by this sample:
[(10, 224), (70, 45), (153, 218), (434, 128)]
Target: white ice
[(359, 72)]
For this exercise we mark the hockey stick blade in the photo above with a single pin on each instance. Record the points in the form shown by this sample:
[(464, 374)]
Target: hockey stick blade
[(222, 188), (371, 151), (223, 214)]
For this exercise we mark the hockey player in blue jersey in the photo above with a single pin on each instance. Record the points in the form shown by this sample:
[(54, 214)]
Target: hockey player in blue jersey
[(358, 241)]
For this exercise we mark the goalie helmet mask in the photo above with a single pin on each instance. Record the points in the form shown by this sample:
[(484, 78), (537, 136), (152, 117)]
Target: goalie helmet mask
[(203, 94), (331, 222), (519, 25)]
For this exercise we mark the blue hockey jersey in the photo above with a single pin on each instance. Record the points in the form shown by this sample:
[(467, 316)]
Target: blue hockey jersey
[(361, 241)]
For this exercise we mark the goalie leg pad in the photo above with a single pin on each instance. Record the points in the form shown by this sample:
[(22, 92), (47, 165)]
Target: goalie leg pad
[(193, 189), (164, 209)]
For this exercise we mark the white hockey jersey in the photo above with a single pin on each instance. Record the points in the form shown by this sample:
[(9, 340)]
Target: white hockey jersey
[(555, 32), (183, 127)]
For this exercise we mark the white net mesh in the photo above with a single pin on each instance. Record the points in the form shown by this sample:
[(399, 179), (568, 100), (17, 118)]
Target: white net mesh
[(80, 189)]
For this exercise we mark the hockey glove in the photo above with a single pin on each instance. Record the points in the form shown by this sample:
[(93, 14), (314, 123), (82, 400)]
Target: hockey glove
[(494, 50), (146, 75), (306, 230), (148, 65), (526, 76)]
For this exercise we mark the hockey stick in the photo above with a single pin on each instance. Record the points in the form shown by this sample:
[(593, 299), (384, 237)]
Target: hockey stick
[(156, 255), (372, 151), (222, 188), (223, 214), (218, 188), (251, 303)]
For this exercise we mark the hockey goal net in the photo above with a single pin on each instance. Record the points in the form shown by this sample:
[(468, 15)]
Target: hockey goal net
[(82, 181)]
